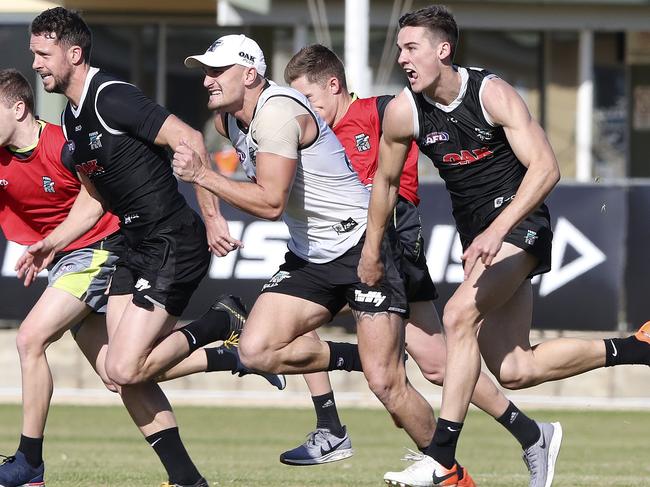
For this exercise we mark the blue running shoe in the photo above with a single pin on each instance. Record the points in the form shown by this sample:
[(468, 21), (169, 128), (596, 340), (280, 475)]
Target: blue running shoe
[(15, 471), (321, 447)]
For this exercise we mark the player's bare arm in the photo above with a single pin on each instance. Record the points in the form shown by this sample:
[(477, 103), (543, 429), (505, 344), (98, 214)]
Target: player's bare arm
[(529, 143), (171, 133), (84, 214), (393, 149), (266, 197)]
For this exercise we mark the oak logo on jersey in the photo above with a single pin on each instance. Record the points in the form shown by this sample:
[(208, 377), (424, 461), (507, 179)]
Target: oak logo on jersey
[(90, 168), (345, 226), (465, 157), (95, 140), (363, 142), (435, 137), (48, 185)]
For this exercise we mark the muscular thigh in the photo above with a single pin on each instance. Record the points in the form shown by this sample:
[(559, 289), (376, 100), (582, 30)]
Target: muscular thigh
[(139, 330), (381, 340), (278, 318), (424, 340), (505, 332), (54, 312), (489, 288)]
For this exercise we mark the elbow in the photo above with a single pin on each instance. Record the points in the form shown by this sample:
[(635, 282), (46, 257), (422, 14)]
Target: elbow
[(273, 214)]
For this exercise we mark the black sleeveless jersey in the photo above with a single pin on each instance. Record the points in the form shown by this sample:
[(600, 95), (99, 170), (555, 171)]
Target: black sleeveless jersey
[(111, 140), (473, 156)]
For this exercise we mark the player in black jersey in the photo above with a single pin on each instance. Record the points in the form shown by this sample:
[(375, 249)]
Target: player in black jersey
[(116, 146), (498, 167)]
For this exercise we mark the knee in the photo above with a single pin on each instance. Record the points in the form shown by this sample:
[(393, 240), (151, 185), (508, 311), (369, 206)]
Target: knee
[(386, 386), (29, 342), (459, 319), (516, 374), (121, 374), (256, 355), (434, 372)]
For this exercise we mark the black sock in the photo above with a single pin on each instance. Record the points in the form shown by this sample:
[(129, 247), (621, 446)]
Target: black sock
[(221, 358), (524, 429), (32, 448), (170, 449), (326, 414), (443, 446), (626, 351), (344, 356), (212, 326)]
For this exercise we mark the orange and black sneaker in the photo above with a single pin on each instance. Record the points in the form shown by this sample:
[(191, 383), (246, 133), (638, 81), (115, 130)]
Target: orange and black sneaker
[(425, 472), (455, 476), (465, 480), (643, 334)]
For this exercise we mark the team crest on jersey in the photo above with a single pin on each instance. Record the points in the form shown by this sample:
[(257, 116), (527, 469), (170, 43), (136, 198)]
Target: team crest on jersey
[(345, 226), (363, 142), (483, 135), (95, 140), (252, 153), (435, 137), (48, 184), (90, 168), (4, 183)]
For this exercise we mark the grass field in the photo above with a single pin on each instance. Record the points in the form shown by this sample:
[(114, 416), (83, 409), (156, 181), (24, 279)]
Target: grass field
[(98, 446)]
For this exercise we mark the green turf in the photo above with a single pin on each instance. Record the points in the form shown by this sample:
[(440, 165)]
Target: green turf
[(98, 446)]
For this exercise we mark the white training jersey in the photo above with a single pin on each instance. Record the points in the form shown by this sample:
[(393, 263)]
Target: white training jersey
[(327, 209)]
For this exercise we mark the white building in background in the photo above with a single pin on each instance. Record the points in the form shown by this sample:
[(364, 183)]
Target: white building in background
[(582, 66)]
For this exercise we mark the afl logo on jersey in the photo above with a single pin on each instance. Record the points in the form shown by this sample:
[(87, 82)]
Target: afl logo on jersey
[(435, 137), (48, 185)]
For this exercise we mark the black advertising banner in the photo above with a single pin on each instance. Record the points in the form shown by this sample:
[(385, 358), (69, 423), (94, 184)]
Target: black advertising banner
[(582, 292), (638, 261)]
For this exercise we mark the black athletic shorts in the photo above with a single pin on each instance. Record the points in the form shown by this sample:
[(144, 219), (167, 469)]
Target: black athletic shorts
[(534, 235), (167, 265), (336, 283), (417, 280)]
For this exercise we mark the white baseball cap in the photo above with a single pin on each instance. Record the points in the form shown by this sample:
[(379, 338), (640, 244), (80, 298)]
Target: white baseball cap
[(229, 50)]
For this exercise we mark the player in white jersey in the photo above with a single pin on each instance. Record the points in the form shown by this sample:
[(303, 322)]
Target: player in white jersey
[(298, 171)]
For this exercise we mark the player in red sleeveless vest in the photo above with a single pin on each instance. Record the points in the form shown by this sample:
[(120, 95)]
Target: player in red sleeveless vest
[(36, 195)]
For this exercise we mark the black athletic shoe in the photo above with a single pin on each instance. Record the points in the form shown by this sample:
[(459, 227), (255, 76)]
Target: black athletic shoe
[(237, 314)]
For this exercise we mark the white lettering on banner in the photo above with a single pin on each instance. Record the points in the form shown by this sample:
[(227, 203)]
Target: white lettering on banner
[(265, 244), (590, 256), (12, 254), (445, 250)]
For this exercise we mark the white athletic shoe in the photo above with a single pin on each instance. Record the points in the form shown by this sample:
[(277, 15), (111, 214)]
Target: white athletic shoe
[(423, 470), (541, 457)]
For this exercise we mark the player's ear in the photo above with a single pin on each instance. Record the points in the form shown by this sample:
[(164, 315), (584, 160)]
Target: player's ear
[(75, 55), (444, 50), (250, 75), (20, 110), (334, 85)]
